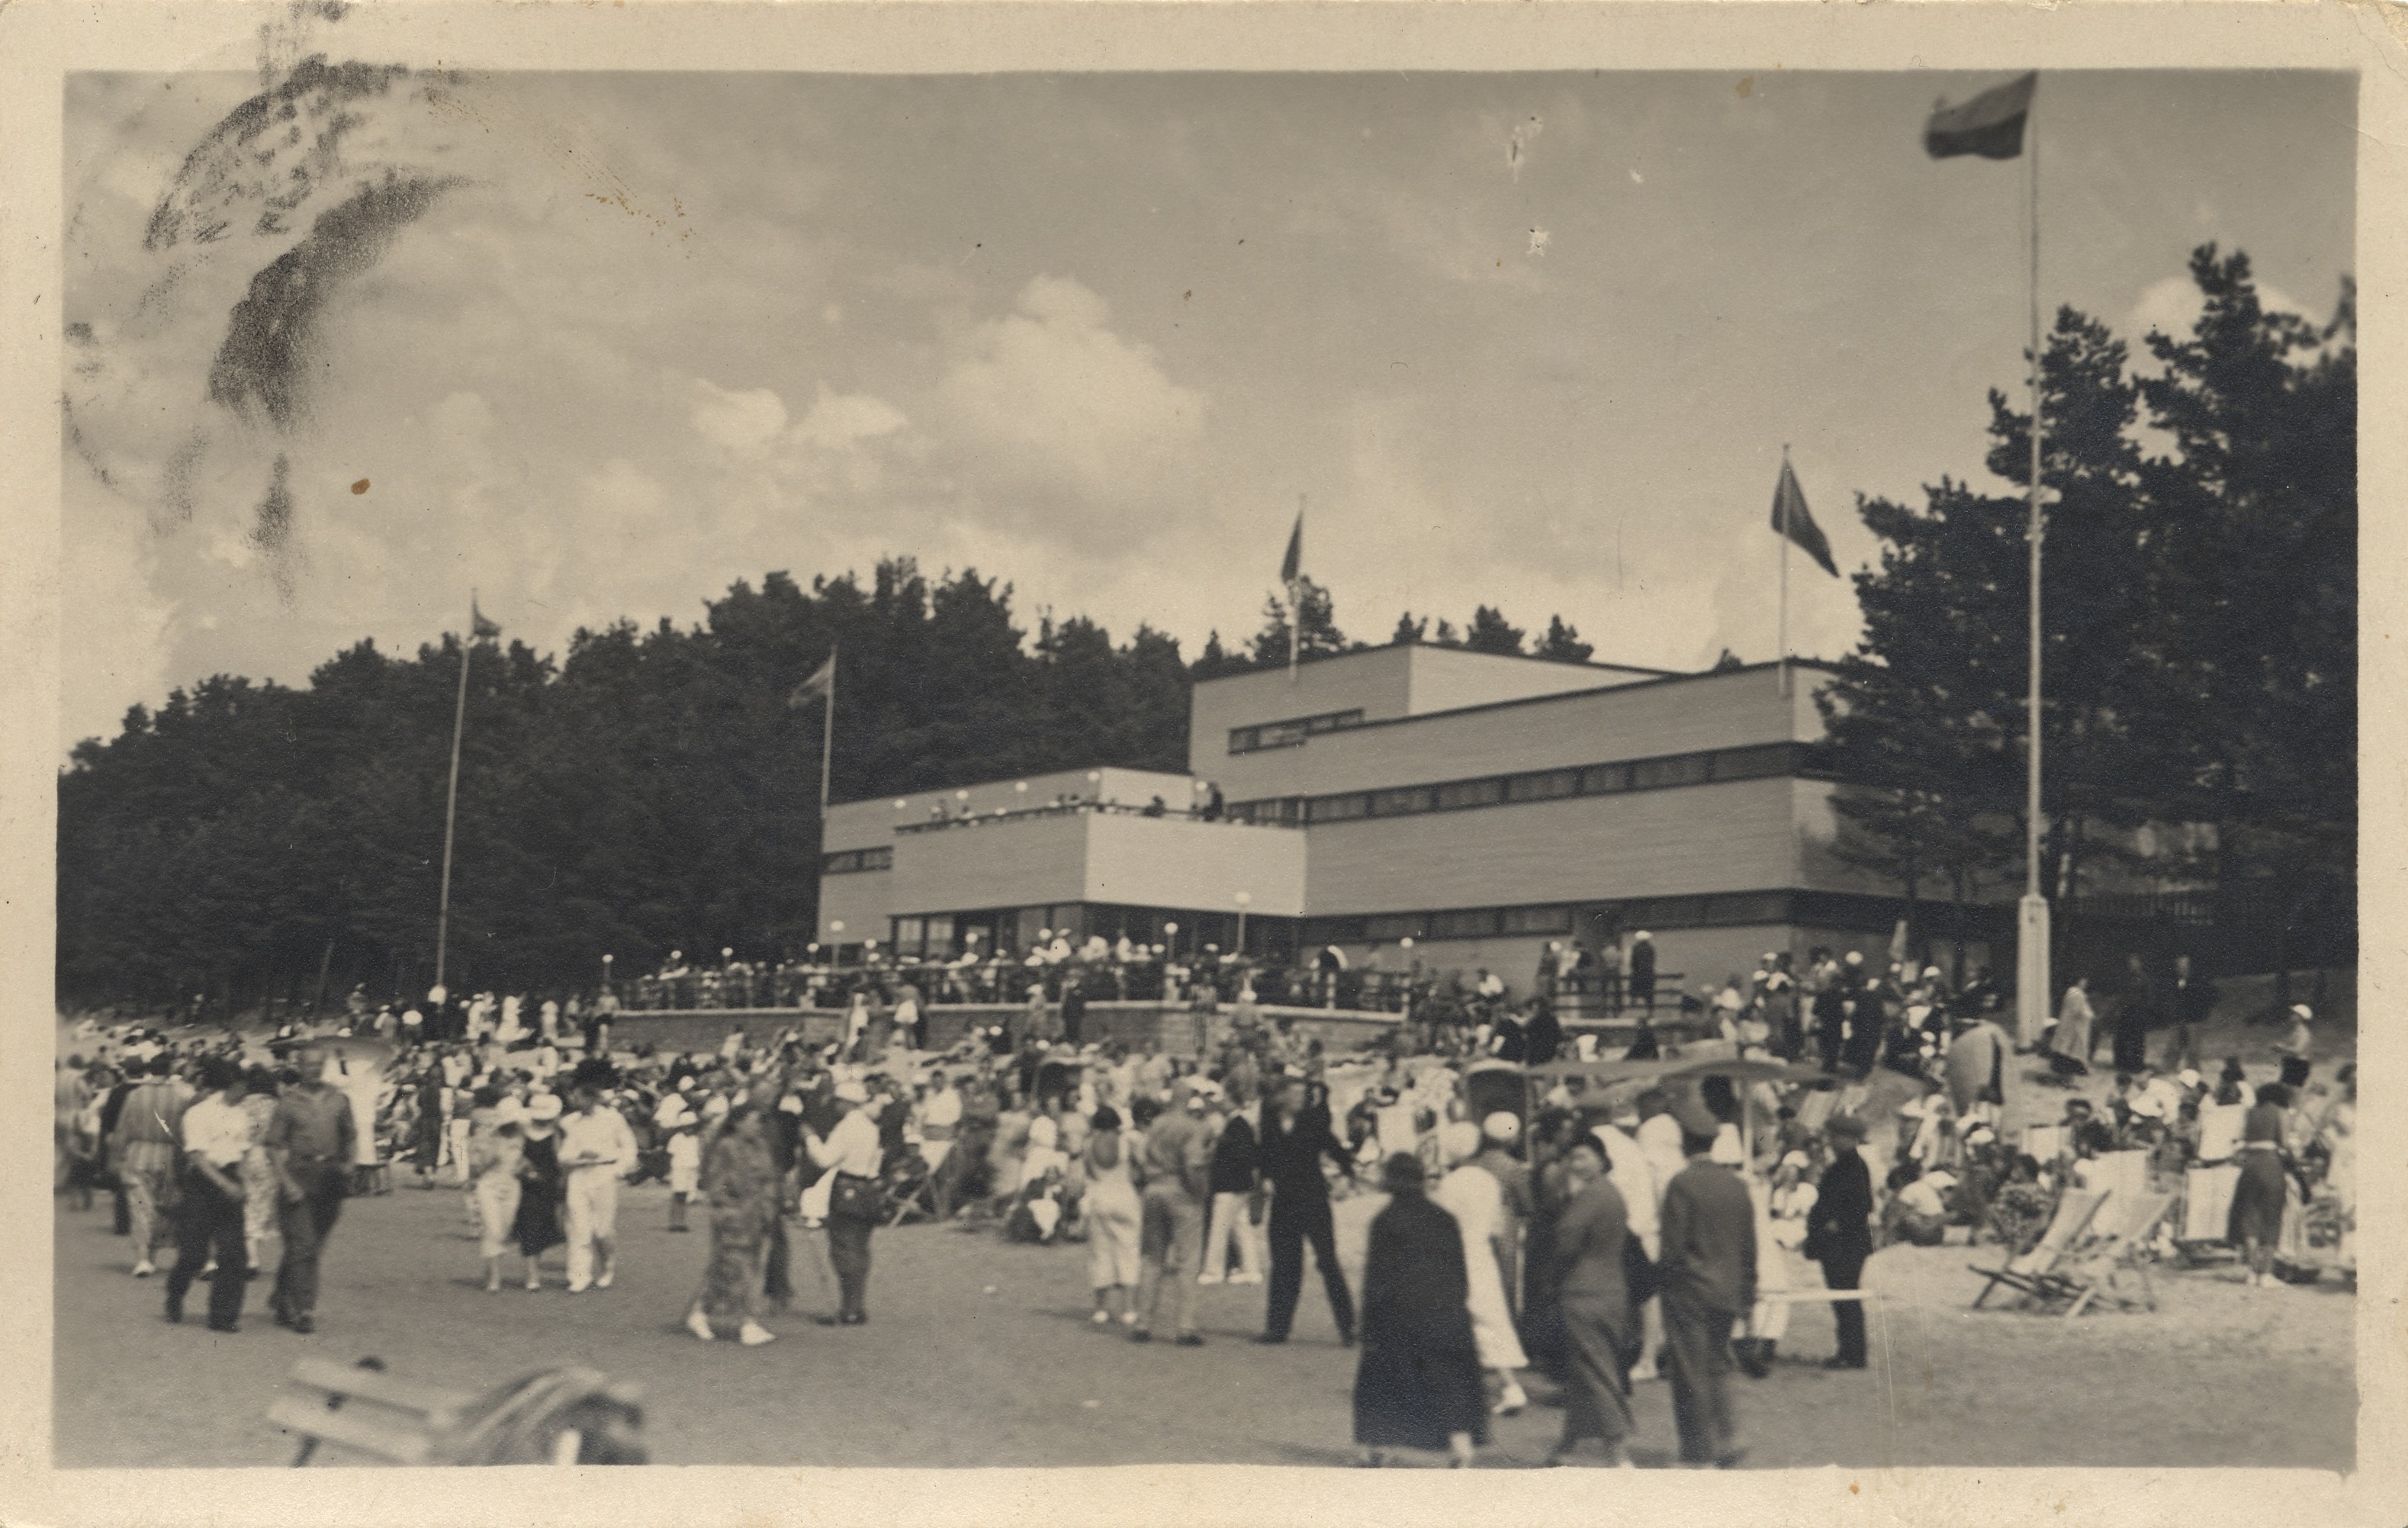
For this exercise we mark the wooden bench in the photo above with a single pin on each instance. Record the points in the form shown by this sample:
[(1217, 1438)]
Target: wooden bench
[(363, 1408)]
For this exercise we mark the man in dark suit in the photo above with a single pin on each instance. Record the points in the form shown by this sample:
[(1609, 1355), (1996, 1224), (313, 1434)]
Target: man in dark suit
[(1295, 1138), (1642, 970), (2193, 999), (1708, 1274), (1840, 1234)]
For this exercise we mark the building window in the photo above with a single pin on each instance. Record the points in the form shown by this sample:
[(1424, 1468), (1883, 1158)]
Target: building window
[(1469, 923), (1467, 793), (909, 933), (1402, 802), (1395, 925), (1289, 733), (1764, 763), (1740, 907), (849, 862), (941, 934), (1337, 930), (1338, 808), (1537, 920), (1604, 779), (1680, 770), (1545, 785)]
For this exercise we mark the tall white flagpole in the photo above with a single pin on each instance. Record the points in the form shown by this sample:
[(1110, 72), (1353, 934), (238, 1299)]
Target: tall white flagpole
[(2032, 922), (452, 795)]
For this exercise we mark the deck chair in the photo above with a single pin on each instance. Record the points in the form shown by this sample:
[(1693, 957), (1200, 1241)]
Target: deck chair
[(2034, 1273), (562, 1417), (916, 1201), (2117, 1246), (910, 1185)]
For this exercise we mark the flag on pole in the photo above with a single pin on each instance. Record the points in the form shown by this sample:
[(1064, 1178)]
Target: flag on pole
[(479, 626), (822, 682), (1791, 519), (1292, 563), (1990, 124)]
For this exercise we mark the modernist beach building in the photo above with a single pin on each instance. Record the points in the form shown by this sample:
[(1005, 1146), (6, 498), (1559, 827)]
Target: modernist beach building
[(1478, 807)]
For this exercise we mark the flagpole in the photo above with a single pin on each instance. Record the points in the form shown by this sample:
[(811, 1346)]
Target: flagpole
[(1295, 602), (2033, 952), (1782, 676), (828, 746), (452, 795)]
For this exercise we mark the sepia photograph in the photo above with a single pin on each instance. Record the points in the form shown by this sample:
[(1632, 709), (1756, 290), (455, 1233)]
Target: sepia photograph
[(1556, 769)]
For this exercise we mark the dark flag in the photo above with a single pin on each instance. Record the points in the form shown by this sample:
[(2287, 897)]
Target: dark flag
[(478, 626), (1292, 563), (1791, 519), (822, 682), (1990, 124)]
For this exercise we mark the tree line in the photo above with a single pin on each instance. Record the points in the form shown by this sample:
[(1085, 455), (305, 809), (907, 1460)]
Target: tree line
[(647, 790)]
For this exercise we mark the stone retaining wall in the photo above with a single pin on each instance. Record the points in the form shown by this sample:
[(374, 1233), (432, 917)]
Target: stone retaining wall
[(1171, 1027)]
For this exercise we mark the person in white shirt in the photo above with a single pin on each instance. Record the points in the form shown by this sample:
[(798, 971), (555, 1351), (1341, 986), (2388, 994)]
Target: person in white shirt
[(941, 1118), (597, 1148), (848, 1151), (1658, 1136), (216, 1134)]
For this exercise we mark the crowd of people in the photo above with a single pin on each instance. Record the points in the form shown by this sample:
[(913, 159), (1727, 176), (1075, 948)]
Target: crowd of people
[(1600, 1234)]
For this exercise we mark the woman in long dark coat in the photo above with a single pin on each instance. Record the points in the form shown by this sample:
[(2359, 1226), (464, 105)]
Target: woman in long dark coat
[(1594, 1301), (1419, 1383)]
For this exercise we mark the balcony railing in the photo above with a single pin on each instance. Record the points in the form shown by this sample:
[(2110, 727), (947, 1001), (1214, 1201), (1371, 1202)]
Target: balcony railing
[(1066, 809)]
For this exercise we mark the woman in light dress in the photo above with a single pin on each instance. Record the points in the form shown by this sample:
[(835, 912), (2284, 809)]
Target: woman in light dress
[(258, 1173), (2072, 1040), (1112, 1211), (1473, 1196), (496, 1151)]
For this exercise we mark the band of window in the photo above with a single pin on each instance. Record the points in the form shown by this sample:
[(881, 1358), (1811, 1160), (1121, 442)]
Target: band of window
[(1758, 762)]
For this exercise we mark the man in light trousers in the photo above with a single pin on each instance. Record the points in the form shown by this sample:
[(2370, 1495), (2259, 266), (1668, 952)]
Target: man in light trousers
[(597, 1150)]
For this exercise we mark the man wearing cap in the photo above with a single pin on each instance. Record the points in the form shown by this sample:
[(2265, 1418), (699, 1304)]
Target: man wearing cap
[(597, 1148), (310, 1140), (1173, 1169), (1839, 1232), (1294, 1139), (849, 1150), (2298, 1044), (1707, 1273)]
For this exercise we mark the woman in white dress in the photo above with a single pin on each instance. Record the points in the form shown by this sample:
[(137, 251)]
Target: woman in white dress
[(1111, 1210), (1477, 1201)]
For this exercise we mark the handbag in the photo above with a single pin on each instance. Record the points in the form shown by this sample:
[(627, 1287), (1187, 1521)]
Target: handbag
[(857, 1197)]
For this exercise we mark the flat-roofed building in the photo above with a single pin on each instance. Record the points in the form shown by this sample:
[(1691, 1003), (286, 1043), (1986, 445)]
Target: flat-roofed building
[(1480, 806)]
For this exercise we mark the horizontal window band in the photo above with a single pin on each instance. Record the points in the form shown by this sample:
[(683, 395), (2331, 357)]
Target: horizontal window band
[(1619, 777)]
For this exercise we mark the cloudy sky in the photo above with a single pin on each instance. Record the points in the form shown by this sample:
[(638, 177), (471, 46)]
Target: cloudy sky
[(1535, 341)]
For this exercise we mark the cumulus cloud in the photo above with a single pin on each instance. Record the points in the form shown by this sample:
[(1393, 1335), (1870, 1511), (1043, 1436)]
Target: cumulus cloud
[(2172, 305), (744, 423), (1049, 397)]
